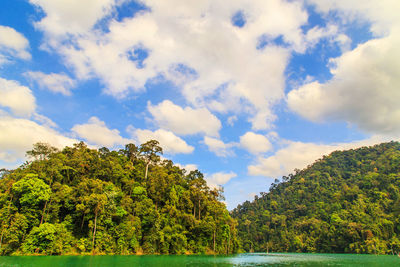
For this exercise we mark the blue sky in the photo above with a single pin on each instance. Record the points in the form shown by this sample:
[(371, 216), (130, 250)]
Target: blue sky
[(245, 91)]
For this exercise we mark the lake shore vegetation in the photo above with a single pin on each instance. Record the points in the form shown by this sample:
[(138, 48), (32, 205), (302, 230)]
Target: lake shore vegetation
[(347, 202), (81, 200)]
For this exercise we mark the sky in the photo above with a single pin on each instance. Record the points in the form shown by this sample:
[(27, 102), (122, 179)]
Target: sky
[(244, 91)]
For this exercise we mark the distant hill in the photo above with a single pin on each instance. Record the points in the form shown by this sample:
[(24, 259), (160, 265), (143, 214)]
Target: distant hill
[(346, 202), (96, 201)]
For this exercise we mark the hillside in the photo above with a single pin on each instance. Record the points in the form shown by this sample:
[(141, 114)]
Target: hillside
[(348, 202), (88, 201)]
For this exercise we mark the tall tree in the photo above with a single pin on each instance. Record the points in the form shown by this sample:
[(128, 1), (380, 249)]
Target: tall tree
[(149, 152), (41, 151)]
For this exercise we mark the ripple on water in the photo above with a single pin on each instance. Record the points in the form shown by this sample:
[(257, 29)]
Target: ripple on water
[(243, 260)]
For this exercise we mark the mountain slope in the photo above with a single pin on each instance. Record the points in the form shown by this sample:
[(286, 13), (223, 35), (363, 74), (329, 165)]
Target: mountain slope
[(348, 201)]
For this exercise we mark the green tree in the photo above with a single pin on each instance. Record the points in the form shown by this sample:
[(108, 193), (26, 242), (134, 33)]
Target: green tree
[(149, 152), (31, 190)]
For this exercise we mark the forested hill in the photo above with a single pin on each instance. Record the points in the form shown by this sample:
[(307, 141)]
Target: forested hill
[(348, 202), (81, 200)]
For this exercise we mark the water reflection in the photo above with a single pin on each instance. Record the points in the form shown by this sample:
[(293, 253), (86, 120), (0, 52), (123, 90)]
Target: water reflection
[(251, 259)]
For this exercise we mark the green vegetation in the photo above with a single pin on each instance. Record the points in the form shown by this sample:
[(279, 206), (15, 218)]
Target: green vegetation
[(347, 202), (83, 201), (88, 201)]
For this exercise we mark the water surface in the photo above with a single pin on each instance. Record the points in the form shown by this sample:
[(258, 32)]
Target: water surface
[(249, 259)]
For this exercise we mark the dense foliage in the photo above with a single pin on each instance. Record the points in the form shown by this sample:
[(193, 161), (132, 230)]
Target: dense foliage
[(348, 202), (81, 200)]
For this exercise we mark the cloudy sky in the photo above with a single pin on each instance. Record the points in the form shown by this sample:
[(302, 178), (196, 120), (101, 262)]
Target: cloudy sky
[(245, 91)]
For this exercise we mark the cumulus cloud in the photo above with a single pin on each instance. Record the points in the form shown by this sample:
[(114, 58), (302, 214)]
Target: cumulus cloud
[(18, 135), (184, 121), (364, 86), (218, 147), (298, 155), (382, 15), (18, 98), (364, 89), (255, 143), (54, 82), (219, 178), (96, 132), (215, 63), (331, 33), (12, 45), (187, 167), (170, 143), (72, 16)]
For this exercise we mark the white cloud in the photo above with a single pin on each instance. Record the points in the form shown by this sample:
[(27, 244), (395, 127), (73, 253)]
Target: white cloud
[(218, 147), (54, 82), (231, 120), (43, 120), (170, 143), (364, 89), (71, 16), (218, 74), (255, 143), (12, 45), (365, 82), (184, 121), (16, 97), (187, 167), (96, 132), (219, 178), (382, 15), (329, 32), (274, 136), (18, 135), (298, 155), (215, 63)]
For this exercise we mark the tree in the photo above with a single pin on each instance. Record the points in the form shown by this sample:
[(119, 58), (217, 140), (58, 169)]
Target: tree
[(131, 151), (31, 190), (198, 188), (4, 172), (50, 239), (41, 151), (149, 152)]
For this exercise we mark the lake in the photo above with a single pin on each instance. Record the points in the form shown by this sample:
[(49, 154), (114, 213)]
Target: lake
[(248, 259)]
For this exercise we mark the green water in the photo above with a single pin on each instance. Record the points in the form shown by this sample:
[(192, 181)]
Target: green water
[(252, 259)]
